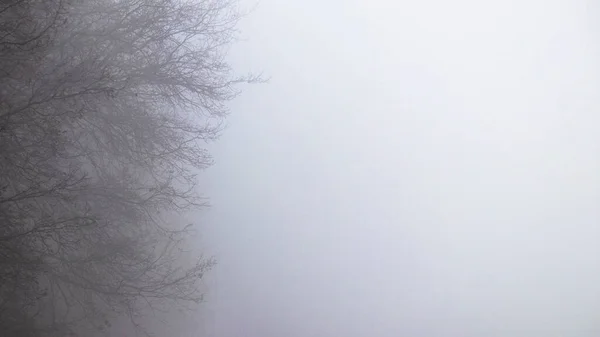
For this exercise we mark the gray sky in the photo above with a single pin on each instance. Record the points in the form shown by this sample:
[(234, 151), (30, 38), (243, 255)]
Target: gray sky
[(414, 168)]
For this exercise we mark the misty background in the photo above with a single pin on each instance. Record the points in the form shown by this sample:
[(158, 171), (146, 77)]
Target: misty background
[(413, 168)]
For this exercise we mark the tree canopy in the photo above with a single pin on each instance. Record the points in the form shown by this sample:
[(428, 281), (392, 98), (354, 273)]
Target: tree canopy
[(105, 109)]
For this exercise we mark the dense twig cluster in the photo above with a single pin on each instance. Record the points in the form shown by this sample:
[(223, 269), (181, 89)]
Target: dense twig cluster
[(104, 109)]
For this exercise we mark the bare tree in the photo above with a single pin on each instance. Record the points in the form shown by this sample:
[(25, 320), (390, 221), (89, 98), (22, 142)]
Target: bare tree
[(105, 108)]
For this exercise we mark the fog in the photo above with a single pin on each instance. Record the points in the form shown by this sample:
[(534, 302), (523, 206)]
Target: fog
[(413, 168)]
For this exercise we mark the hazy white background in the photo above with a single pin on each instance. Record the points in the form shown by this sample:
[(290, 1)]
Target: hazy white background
[(413, 168)]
